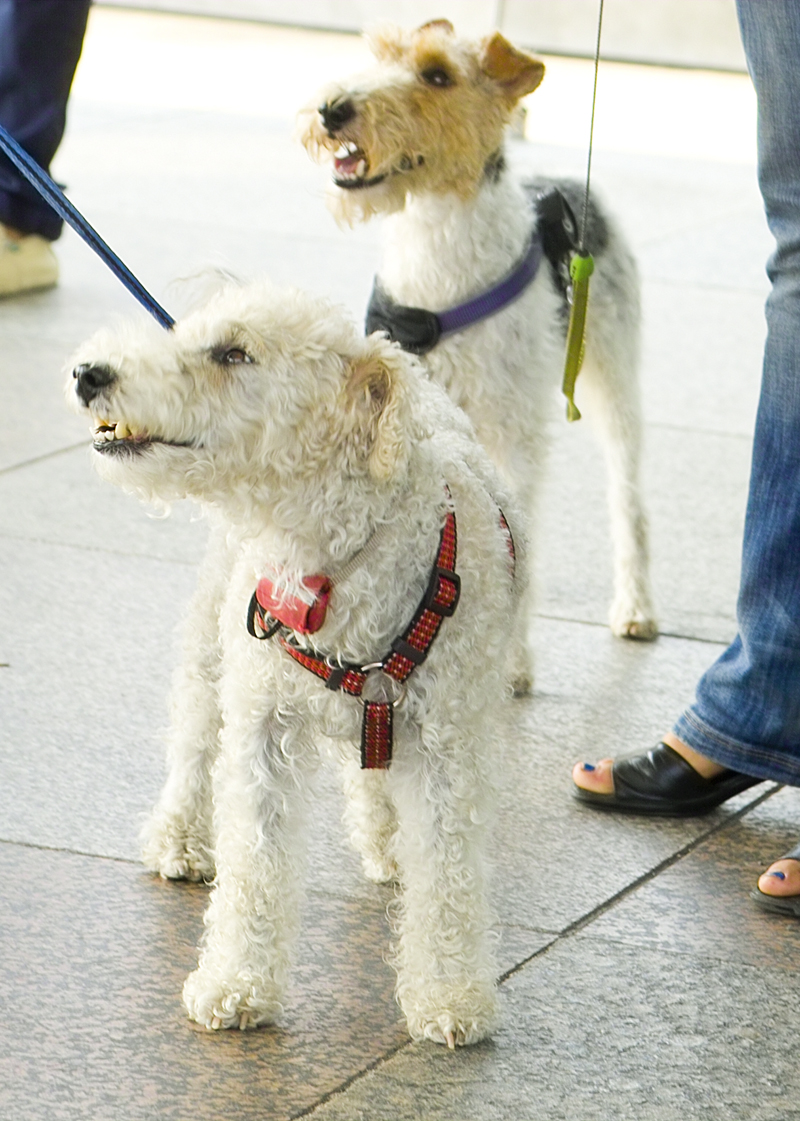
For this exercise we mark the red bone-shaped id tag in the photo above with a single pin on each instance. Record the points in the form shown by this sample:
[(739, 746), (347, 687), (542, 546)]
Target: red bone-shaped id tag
[(292, 611)]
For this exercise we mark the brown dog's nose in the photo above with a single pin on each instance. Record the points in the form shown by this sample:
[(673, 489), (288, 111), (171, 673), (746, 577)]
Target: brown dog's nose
[(91, 380), (337, 113)]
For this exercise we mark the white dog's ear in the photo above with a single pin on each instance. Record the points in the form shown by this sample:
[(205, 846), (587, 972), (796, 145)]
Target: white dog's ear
[(514, 71), (386, 41), (377, 387)]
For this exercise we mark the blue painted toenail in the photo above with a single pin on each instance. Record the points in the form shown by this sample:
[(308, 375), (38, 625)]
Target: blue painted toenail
[(588, 766), (777, 875)]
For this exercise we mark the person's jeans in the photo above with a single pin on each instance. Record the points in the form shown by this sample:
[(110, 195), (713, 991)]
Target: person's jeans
[(40, 44), (747, 711)]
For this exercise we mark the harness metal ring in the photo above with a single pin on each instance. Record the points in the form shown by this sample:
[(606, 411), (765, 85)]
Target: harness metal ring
[(381, 688)]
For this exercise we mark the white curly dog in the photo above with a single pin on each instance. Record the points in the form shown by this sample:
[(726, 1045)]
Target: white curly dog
[(420, 139), (351, 496)]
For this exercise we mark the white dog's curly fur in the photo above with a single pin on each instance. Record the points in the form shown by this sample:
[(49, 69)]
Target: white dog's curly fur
[(420, 138), (300, 439)]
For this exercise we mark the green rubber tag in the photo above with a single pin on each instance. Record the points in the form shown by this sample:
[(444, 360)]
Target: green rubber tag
[(580, 269)]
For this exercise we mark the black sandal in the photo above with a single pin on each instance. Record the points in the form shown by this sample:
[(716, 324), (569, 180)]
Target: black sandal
[(779, 904), (662, 783)]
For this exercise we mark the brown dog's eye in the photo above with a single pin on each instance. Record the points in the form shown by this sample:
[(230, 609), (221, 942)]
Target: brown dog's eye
[(436, 76), (231, 356)]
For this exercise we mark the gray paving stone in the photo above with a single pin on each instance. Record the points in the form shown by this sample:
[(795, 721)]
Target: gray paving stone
[(89, 641), (60, 500), (556, 860), (701, 905), (94, 955), (594, 1031), (701, 360), (695, 486)]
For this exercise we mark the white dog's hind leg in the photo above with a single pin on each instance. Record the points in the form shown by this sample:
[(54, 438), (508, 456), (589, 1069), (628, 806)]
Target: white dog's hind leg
[(177, 840), (370, 820), (608, 392), (613, 411), (260, 791), (446, 982)]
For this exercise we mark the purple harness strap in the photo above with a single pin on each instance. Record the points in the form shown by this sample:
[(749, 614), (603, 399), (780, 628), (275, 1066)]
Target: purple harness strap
[(419, 330), (496, 298)]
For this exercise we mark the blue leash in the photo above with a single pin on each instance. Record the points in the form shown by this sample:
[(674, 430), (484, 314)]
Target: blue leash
[(55, 197)]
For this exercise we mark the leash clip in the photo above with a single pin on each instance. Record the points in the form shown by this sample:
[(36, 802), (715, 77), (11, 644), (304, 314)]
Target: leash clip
[(260, 624)]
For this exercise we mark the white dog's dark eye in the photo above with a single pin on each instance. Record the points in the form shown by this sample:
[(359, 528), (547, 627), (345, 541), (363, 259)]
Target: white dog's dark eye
[(436, 76), (231, 356)]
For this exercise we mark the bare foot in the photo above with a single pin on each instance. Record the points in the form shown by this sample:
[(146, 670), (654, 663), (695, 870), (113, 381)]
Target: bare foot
[(599, 776), (781, 878)]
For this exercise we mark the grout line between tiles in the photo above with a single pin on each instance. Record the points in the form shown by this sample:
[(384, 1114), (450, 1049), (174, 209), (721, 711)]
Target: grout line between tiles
[(41, 458), (604, 626), (68, 851), (609, 904), (310, 1110), (93, 547)]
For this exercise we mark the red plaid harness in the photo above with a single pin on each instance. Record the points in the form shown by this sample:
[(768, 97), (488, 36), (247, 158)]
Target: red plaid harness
[(380, 686)]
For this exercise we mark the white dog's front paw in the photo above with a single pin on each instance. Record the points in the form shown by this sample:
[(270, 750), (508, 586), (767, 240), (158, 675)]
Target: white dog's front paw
[(229, 1002), (380, 868), (520, 669), (175, 850), (522, 684), (633, 620), (460, 1022)]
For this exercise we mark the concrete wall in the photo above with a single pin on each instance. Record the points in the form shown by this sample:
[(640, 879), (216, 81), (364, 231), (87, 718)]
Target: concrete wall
[(700, 33)]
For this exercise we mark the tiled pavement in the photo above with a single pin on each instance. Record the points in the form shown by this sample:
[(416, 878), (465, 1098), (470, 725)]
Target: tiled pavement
[(639, 982)]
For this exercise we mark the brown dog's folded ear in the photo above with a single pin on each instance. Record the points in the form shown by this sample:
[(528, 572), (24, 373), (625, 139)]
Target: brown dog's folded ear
[(514, 71), (439, 24), (376, 386)]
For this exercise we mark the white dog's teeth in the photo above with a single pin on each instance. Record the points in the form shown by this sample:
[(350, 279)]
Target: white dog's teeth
[(361, 168), (122, 431)]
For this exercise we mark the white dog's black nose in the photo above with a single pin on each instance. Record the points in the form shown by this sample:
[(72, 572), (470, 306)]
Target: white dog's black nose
[(335, 114), (91, 380)]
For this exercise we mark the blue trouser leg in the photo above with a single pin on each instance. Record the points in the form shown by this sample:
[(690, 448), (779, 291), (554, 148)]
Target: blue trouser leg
[(747, 711), (40, 44)]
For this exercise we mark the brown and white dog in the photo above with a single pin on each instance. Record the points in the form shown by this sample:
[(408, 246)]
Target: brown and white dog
[(419, 138)]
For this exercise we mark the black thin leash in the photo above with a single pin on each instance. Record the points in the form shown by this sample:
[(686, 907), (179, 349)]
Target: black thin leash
[(55, 197)]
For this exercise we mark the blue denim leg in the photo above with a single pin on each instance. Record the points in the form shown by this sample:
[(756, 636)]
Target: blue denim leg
[(40, 44), (747, 711)]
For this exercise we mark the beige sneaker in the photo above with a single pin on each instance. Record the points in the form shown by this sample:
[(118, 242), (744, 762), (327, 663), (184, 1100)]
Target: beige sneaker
[(27, 262)]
